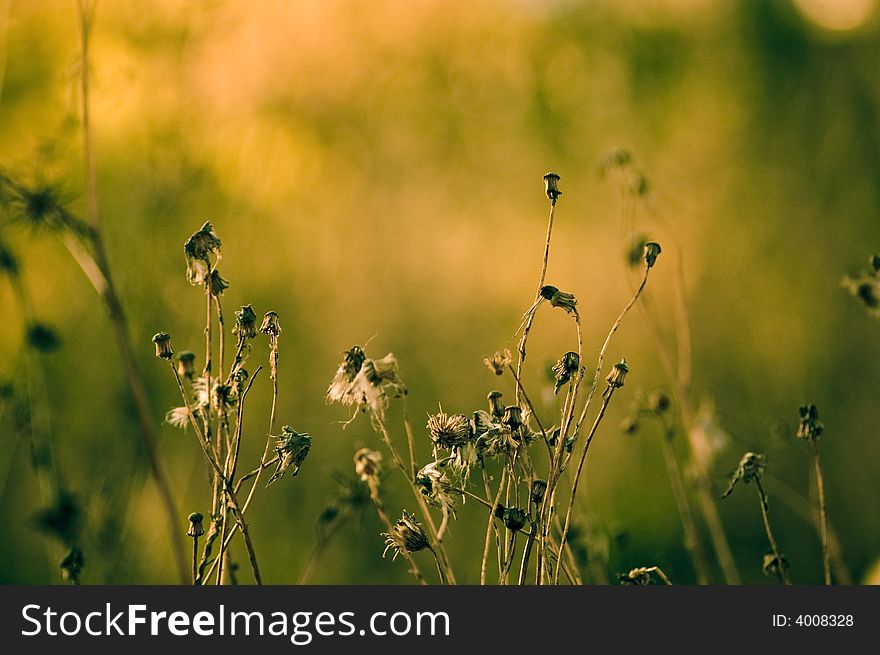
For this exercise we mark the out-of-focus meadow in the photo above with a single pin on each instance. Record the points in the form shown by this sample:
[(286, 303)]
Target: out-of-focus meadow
[(374, 170)]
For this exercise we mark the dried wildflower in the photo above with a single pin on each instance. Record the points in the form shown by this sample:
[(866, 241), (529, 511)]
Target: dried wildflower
[(496, 404), (652, 251), (638, 577), (513, 418), (42, 338), (185, 364), (163, 345), (617, 376), (558, 298), (565, 369), (72, 565), (537, 491), (196, 529), (498, 362), (551, 187), (449, 431), (366, 383), (407, 535), (773, 566), (659, 402), (223, 396), (198, 249), (368, 464), (271, 325), (514, 518), (292, 448), (245, 323), (751, 467), (216, 283), (436, 487), (178, 417), (810, 427), (202, 390)]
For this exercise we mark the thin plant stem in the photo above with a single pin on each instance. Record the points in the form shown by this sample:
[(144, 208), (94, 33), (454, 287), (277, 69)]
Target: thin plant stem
[(781, 571), (823, 514), (195, 560)]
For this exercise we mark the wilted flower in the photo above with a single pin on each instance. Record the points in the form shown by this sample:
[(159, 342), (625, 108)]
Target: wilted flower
[(163, 345), (245, 323), (512, 418), (292, 448), (216, 283), (514, 518), (435, 486), (564, 369), (537, 491), (551, 186), (367, 464), (185, 364), (558, 298), (366, 383), (652, 251), (223, 396), (198, 250), (496, 405), (271, 325), (499, 361), (751, 467), (638, 577), (810, 427), (617, 376), (196, 529), (449, 431), (407, 535)]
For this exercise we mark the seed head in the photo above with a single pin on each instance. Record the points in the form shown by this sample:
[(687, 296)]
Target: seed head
[(652, 251), (435, 485), (751, 467), (198, 249), (538, 490), (186, 364), (514, 518), (407, 535), (245, 323), (368, 464), (558, 298), (163, 345), (551, 187), (565, 369), (292, 448), (513, 418), (271, 325), (499, 361), (449, 431), (617, 375), (496, 405), (810, 427), (196, 529)]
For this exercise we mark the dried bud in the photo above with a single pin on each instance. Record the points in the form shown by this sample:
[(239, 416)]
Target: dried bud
[(449, 431), (514, 518), (512, 418), (72, 565), (538, 490), (551, 187), (564, 369), (292, 448), (186, 364), (652, 251), (407, 535), (558, 298), (163, 345), (271, 325), (751, 467), (496, 405), (367, 464), (196, 529), (617, 375), (810, 427), (498, 362), (217, 284), (245, 323), (659, 401)]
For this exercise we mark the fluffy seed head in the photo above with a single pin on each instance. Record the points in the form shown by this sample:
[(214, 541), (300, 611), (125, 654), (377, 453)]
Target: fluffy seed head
[(449, 431)]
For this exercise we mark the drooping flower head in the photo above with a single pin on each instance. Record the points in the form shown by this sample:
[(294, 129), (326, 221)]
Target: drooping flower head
[(407, 536), (198, 249), (292, 448)]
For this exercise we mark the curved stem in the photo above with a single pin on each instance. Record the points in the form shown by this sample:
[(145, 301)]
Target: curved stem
[(823, 515)]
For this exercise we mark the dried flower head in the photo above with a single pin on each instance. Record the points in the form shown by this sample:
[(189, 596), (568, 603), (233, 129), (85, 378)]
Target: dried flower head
[(537, 491), (449, 431), (407, 535), (496, 404), (292, 448), (368, 464), (514, 518), (436, 487), (178, 417), (245, 323), (271, 325), (186, 364), (217, 284), (810, 427), (551, 186), (773, 566), (196, 529), (652, 251), (557, 298), (72, 565), (751, 467), (223, 396), (565, 369), (638, 577), (163, 345), (513, 418), (198, 249), (617, 376), (366, 383), (498, 362)]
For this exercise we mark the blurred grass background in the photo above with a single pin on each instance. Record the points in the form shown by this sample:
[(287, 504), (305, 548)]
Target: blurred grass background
[(375, 169)]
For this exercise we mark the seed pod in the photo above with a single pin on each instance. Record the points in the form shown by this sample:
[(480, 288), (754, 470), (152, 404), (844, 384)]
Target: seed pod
[(538, 490), (514, 518), (512, 418), (551, 187), (163, 345), (196, 529), (617, 375), (496, 406), (185, 364)]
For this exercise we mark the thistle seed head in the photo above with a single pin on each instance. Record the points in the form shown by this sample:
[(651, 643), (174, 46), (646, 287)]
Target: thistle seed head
[(292, 449), (617, 376), (271, 325), (496, 405), (551, 187), (565, 369), (514, 518), (513, 418), (196, 529), (751, 467), (186, 364), (537, 491), (163, 345), (407, 535), (198, 249), (449, 431)]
